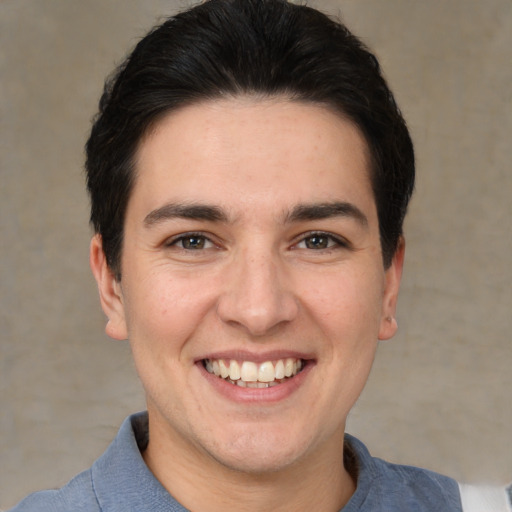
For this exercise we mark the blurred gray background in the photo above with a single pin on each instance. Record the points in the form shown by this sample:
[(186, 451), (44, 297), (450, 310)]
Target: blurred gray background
[(440, 392)]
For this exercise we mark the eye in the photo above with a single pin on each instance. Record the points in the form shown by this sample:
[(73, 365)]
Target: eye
[(321, 241), (191, 242)]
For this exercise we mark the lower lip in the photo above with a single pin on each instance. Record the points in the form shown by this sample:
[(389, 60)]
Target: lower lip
[(256, 395)]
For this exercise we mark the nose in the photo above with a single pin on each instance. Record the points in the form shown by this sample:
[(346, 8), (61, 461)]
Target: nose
[(255, 295)]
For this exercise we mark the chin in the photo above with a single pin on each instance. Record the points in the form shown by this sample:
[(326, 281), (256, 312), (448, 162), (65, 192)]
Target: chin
[(256, 464), (258, 454)]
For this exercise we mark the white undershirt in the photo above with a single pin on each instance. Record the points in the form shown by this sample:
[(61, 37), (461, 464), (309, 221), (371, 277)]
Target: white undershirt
[(482, 498)]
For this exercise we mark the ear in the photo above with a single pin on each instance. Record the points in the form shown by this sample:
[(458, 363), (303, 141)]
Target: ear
[(388, 324), (111, 296)]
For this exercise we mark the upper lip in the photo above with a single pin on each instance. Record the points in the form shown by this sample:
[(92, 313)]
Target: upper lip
[(256, 357)]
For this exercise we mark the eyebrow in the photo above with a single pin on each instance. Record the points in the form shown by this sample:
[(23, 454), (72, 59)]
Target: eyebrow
[(212, 213), (185, 211), (319, 211)]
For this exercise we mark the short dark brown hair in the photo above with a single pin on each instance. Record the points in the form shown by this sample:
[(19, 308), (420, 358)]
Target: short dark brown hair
[(226, 48)]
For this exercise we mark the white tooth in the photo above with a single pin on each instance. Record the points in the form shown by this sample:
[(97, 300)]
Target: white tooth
[(253, 384), (224, 370), (266, 372), (234, 370), (289, 367), (208, 365), (249, 371), (279, 369), (299, 365), (241, 383), (272, 384), (215, 367), (262, 385)]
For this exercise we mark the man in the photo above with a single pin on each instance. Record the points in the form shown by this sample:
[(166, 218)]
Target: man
[(249, 174)]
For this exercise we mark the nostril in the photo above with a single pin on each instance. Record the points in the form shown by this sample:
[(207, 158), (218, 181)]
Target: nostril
[(257, 313)]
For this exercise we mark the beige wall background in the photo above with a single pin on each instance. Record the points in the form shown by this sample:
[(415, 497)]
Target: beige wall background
[(440, 392)]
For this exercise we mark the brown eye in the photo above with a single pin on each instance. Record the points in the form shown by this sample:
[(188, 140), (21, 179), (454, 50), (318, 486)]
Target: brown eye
[(322, 241), (192, 242), (318, 242)]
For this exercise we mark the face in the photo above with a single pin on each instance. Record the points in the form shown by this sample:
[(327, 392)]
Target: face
[(253, 291)]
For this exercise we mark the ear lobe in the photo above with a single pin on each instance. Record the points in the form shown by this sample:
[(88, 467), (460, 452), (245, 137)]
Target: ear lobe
[(109, 288), (388, 324)]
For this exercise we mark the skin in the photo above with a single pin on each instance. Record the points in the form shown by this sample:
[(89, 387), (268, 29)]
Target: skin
[(257, 280)]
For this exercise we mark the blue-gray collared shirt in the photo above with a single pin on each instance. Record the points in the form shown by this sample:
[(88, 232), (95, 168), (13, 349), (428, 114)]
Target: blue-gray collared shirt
[(120, 481)]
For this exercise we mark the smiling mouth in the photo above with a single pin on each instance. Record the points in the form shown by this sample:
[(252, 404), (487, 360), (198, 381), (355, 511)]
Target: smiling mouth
[(248, 374)]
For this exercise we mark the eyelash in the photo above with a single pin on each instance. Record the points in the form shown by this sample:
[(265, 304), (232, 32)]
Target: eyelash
[(334, 242), (173, 242)]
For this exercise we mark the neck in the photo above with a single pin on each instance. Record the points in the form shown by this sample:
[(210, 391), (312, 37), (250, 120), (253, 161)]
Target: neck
[(318, 482)]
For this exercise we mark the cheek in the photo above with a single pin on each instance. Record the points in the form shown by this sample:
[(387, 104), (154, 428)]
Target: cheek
[(345, 302), (164, 310)]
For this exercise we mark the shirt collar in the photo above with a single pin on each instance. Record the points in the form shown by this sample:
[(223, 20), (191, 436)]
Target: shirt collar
[(121, 480), (123, 483)]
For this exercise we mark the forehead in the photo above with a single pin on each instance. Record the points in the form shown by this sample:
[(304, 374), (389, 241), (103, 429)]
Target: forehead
[(246, 151)]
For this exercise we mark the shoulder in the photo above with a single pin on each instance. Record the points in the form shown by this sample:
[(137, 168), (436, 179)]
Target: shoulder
[(383, 486), (76, 496), (119, 480), (421, 488), (83, 493)]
